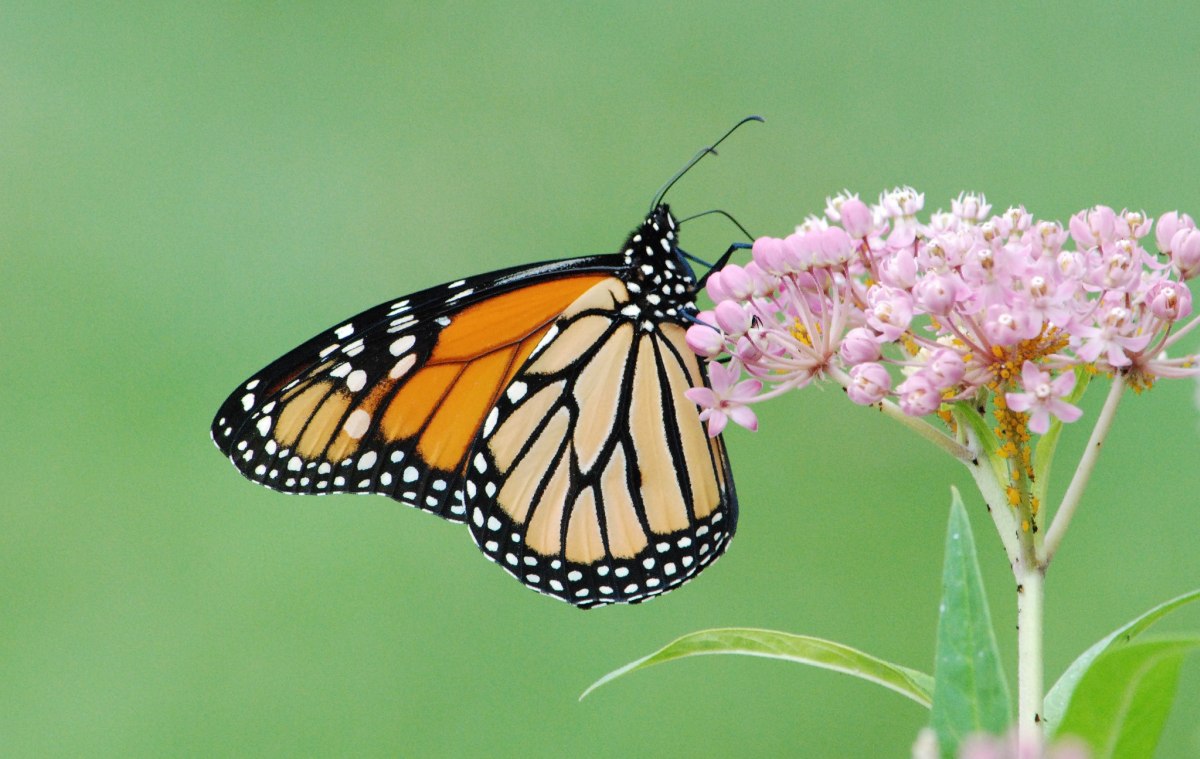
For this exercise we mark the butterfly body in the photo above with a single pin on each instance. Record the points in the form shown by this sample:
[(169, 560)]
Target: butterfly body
[(541, 405)]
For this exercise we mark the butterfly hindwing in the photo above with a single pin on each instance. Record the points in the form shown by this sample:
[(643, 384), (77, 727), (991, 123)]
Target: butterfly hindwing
[(593, 479)]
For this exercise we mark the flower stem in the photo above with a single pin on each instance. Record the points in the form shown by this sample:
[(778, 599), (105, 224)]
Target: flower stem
[(1030, 615), (1087, 462), (997, 505)]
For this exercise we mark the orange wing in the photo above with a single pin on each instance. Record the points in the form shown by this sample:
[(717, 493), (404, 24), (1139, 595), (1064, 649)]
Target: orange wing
[(390, 401)]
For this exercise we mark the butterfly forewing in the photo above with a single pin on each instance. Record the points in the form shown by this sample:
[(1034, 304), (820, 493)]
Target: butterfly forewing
[(391, 400)]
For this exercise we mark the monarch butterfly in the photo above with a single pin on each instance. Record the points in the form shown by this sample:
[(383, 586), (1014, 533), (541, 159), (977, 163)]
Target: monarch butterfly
[(542, 405)]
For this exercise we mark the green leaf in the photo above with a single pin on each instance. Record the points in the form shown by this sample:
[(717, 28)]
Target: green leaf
[(1058, 697), (801, 649), (970, 693), (1123, 699)]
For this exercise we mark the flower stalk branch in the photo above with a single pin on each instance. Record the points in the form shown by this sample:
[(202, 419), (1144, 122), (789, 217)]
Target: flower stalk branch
[(1087, 463)]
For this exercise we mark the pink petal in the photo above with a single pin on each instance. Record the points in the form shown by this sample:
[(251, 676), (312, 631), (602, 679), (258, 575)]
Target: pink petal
[(1019, 402), (1031, 376), (1040, 421), (716, 422), (1064, 411), (1063, 384), (744, 391), (744, 417)]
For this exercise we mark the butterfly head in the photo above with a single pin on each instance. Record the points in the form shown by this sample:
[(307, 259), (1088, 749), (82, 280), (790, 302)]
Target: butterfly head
[(659, 278)]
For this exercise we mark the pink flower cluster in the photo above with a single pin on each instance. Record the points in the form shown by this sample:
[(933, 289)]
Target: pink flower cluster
[(951, 305)]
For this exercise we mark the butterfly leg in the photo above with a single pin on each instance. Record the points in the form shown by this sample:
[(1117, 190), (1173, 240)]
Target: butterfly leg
[(724, 259)]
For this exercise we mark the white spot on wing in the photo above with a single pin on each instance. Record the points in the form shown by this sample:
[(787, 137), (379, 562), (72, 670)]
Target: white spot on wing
[(402, 366), (367, 460), (344, 331), (357, 423), (356, 381), (546, 340), (402, 345), (515, 392), (489, 424)]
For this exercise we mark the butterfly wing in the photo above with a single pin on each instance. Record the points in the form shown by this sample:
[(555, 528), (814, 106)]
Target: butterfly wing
[(543, 404), (391, 400), (593, 479)]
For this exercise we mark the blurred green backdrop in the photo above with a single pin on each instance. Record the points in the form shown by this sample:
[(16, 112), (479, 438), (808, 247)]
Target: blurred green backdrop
[(187, 190)]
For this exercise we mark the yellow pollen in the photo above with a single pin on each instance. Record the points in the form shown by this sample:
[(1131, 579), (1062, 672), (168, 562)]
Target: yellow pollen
[(801, 333)]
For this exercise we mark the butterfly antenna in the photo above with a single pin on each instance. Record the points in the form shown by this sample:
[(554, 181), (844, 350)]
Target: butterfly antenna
[(726, 214), (658, 196)]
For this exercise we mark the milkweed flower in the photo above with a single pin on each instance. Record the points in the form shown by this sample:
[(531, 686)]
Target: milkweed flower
[(726, 399), (929, 310)]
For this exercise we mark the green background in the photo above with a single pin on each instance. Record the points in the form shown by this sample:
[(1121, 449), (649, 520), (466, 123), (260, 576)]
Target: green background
[(188, 190)]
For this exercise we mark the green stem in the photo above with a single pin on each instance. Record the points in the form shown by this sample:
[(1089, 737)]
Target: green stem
[(1071, 499), (1030, 618), (927, 431), (1003, 516)]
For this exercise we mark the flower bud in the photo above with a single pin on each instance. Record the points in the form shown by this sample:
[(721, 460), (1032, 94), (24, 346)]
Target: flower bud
[(716, 287), (705, 340), (768, 253), (1168, 225), (737, 282), (869, 383), (1185, 252), (945, 369), (918, 396), (859, 346), (732, 317), (856, 218), (1169, 300), (937, 293)]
